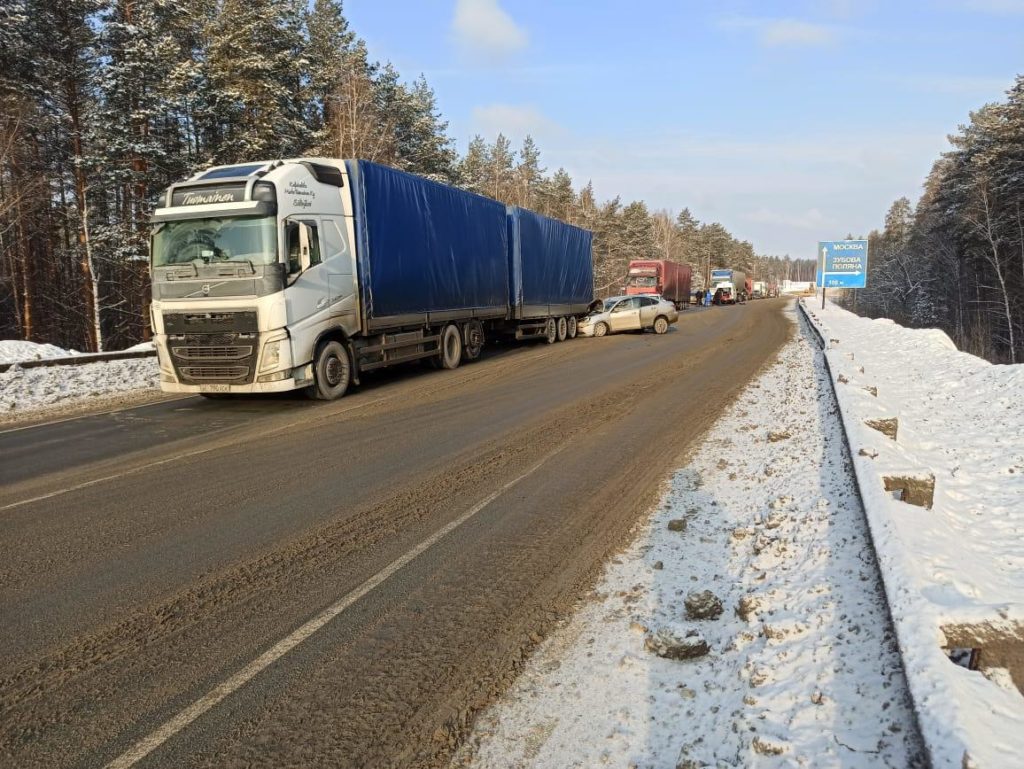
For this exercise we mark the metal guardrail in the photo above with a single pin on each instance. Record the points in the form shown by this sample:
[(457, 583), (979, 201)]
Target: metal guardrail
[(78, 360), (823, 343)]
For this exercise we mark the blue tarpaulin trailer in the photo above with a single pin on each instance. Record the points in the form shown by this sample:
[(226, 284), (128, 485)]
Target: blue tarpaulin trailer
[(551, 269), (427, 251)]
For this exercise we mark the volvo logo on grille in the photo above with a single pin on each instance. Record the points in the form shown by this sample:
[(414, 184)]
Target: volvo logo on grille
[(206, 289)]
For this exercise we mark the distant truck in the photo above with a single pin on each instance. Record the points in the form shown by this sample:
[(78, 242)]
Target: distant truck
[(730, 286), (760, 290), (670, 280), (307, 273)]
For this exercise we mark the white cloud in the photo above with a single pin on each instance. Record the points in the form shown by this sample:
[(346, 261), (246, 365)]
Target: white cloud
[(484, 29), (775, 33), (515, 121)]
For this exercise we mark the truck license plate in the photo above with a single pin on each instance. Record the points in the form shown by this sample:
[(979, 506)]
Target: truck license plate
[(217, 388)]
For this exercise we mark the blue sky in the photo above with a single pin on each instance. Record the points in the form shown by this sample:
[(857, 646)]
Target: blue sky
[(789, 122)]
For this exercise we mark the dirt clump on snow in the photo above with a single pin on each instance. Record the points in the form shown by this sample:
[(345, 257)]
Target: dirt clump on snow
[(703, 605), (884, 426), (671, 645), (919, 491)]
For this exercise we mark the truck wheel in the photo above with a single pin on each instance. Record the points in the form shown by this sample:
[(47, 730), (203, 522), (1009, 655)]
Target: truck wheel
[(332, 372), (600, 329), (451, 347), (473, 336), (572, 327), (551, 331), (563, 329), (660, 324)]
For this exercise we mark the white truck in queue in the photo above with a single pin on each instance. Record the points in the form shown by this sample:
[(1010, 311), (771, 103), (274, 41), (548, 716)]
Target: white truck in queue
[(306, 273)]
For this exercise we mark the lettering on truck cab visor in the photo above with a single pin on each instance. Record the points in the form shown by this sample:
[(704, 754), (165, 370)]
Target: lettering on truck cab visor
[(201, 196)]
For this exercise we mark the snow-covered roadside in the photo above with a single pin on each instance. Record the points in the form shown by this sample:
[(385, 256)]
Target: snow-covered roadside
[(17, 350), (801, 667), (950, 529), (25, 392)]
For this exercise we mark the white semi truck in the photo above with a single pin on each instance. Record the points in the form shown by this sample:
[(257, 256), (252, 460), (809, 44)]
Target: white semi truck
[(306, 273)]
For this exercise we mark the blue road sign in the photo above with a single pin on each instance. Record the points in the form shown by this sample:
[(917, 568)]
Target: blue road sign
[(843, 263)]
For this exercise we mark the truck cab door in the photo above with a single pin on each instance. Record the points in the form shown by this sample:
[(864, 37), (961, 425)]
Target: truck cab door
[(307, 291), (625, 316)]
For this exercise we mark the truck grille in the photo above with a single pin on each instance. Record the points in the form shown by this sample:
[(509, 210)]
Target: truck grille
[(213, 353), (222, 357), (210, 374)]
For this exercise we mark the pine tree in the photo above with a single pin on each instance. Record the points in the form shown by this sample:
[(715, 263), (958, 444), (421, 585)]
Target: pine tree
[(256, 65), (472, 169), (330, 44), (500, 159), (422, 145), (638, 231), (529, 176), (557, 197)]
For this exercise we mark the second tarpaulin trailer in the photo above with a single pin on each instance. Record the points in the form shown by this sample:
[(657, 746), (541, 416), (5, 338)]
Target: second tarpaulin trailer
[(551, 274)]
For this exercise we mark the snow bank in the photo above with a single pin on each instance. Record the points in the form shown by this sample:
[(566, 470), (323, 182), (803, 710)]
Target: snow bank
[(948, 531), (17, 351), (24, 390), (801, 666)]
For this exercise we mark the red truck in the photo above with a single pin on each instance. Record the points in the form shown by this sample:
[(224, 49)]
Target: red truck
[(659, 276)]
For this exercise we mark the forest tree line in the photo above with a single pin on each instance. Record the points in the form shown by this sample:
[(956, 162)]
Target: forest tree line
[(955, 261), (104, 103)]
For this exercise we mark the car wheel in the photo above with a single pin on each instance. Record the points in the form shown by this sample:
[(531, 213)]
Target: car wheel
[(600, 329), (563, 329), (451, 347), (332, 372), (660, 324), (571, 327), (551, 331)]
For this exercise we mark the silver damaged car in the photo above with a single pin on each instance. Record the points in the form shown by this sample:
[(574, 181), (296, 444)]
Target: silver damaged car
[(629, 313)]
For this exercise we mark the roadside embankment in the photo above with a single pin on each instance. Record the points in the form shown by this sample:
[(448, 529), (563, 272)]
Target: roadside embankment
[(937, 439)]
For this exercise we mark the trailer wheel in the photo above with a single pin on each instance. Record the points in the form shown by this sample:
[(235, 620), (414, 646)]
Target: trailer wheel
[(473, 336), (332, 372), (451, 347), (563, 329), (660, 324), (571, 328), (551, 331), (600, 329)]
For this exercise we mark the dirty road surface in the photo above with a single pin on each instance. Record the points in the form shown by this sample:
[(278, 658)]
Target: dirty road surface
[(277, 583)]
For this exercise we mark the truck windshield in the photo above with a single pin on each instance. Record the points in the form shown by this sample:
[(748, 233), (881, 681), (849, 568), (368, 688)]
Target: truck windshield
[(643, 282), (229, 239)]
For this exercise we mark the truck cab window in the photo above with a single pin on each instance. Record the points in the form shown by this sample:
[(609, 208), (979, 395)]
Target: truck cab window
[(293, 244)]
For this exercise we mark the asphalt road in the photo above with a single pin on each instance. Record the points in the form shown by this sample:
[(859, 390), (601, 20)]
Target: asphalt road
[(276, 582)]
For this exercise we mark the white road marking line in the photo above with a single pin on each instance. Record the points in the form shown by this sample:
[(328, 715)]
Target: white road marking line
[(226, 688), (175, 458), (114, 410)]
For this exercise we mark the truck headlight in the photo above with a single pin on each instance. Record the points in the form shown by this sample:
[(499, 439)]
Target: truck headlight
[(276, 353), (271, 355)]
